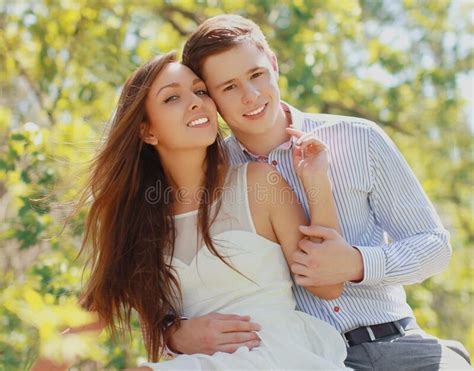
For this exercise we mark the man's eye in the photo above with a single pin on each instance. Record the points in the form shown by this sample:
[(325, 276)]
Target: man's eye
[(171, 98), (202, 92), (256, 74), (229, 87)]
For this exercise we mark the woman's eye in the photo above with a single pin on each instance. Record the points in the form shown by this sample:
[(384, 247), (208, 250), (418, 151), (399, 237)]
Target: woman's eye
[(202, 92), (256, 74), (229, 87), (171, 98)]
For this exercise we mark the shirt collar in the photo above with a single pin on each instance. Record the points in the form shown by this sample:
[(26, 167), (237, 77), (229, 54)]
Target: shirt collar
[(296, 121)]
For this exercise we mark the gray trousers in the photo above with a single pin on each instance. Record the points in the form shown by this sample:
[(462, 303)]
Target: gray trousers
[(416, 350)]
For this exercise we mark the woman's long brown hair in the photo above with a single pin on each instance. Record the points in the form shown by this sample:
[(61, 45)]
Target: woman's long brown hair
[(129, 235)]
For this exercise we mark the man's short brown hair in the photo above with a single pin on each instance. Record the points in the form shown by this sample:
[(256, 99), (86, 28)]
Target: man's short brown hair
[(219, 34)]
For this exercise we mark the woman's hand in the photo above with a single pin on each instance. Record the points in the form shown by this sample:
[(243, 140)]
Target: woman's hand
[(310, 155)]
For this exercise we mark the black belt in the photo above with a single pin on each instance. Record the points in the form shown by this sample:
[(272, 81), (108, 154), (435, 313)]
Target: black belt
[(372, 333)]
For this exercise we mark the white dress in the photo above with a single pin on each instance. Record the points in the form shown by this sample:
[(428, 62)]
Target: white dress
[(290, 340)]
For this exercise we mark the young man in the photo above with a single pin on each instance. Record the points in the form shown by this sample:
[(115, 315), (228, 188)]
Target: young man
[(375, 192)]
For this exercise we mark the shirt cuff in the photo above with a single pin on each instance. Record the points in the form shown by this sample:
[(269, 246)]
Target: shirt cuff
[(168, 354), (374, 265)]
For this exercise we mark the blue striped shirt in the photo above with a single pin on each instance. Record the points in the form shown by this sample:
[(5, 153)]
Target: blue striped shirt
[(383, 211)]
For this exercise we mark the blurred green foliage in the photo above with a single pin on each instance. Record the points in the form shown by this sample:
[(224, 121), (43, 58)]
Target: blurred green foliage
[(403, 64)]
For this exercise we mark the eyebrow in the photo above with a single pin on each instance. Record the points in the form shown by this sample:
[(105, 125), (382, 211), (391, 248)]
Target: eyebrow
[(232, 80), (176, 85)]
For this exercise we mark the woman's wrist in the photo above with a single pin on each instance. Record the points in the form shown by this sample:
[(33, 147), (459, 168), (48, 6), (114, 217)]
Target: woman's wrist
[(320, 176), (318, 187), (169, 332)]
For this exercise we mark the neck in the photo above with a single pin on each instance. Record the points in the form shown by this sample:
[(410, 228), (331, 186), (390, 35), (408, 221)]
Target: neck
[(263, 144), (185, 171)]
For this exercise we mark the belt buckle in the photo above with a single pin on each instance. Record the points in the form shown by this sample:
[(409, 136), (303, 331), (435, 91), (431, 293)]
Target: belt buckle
[(399, 327), (371, 333)]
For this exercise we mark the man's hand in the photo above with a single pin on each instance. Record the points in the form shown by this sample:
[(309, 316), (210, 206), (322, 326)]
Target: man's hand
[(328, 262), (310, 155), (214, 333)]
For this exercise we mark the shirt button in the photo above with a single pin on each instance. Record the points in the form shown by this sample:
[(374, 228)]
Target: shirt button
[(274, 162), (336, 309)]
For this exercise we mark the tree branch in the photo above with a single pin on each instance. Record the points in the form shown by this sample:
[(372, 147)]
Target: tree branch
[(169, 18), (70, 53), (196, 17), (23, 73), (167, 14), (37, 93)]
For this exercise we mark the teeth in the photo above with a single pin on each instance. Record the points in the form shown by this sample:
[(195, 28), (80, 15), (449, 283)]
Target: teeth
[(256, 112), (198, 122)]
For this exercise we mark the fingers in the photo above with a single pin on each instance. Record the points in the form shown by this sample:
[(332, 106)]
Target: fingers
[(310, 143), (311, 148), (305, 143), (238, 338), (305, 140), (297, 152), (295, 132), (206, 333), (231, 341), (318, 231), (300, 257), (253, 344), (229, 317), (307, 247), (239, 326), (234, 323), (299, 269), (231, 348), (308, 139)]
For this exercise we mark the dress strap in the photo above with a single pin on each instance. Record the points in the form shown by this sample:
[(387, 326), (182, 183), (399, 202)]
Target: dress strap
[(243, 188)]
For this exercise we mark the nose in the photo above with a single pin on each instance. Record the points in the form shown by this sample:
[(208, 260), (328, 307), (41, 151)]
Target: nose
[(196, 103), (250, 94)]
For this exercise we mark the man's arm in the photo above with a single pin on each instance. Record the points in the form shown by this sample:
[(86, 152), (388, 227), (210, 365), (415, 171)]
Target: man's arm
[(212, 333), (420, 245)]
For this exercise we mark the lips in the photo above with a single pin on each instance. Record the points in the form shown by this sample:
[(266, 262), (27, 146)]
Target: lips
[(198, 122), (256, 111)]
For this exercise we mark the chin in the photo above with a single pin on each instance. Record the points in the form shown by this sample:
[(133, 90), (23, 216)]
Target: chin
[(209, 143), (261, 128), (210, 140)]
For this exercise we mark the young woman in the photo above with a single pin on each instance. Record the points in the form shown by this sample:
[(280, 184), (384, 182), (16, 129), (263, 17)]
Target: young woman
[(175, 231)]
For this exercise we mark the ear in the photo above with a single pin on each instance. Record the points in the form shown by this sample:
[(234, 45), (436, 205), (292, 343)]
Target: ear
[(274, 61), (146, 135)]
